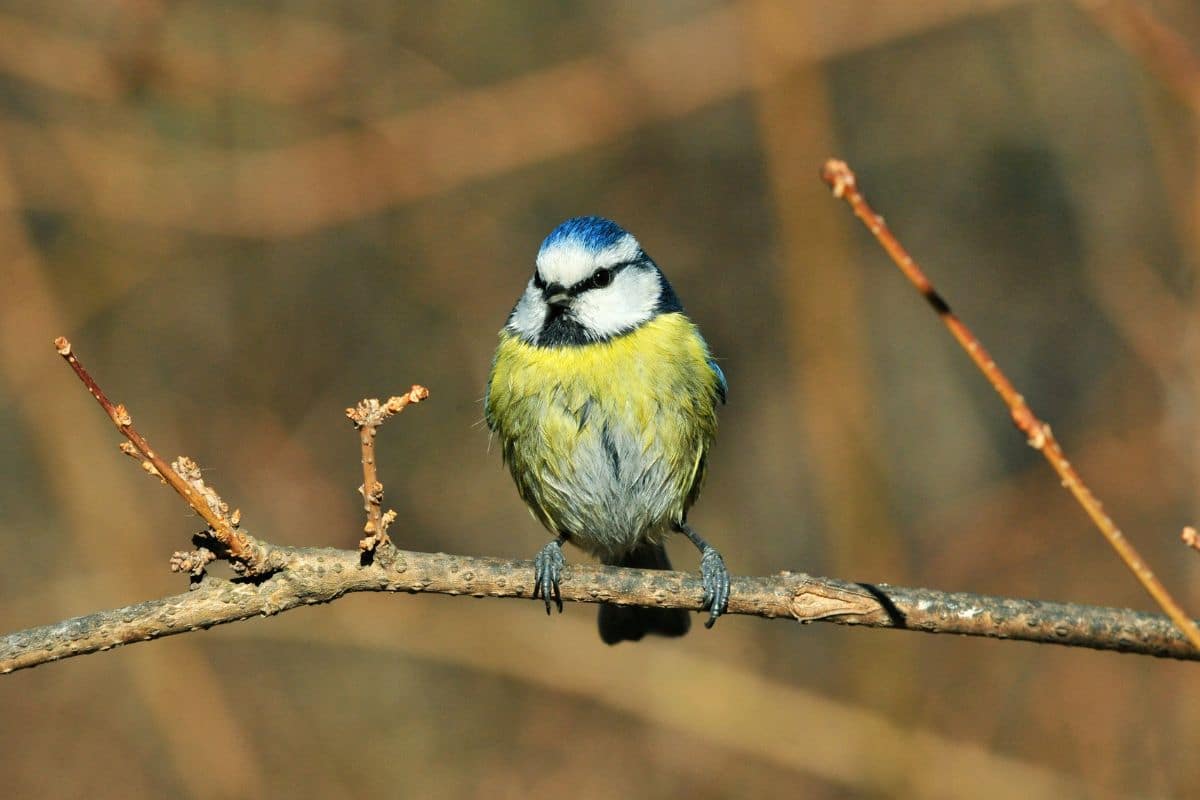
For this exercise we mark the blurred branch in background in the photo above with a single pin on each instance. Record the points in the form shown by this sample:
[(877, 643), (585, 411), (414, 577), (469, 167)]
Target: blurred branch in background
[(827, 340), (1161, 49), (129, 173), (315, 54)]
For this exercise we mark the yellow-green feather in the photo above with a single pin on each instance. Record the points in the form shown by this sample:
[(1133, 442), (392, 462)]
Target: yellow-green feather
[(549, 405)]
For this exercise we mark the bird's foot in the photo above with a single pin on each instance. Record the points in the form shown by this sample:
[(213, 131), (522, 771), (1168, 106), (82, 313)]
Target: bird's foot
[(715, 577), (547, 571)]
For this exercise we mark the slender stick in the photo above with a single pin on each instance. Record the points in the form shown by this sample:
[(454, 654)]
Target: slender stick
[(238, 545), (367, 416), (372, 491), (845, 186)]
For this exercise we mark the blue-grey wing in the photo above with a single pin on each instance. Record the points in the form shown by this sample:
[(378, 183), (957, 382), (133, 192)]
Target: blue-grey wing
[(487, 399), (488, 419), (722, 384)]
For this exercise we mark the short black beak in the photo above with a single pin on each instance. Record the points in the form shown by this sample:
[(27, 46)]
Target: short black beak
[(557, 295)]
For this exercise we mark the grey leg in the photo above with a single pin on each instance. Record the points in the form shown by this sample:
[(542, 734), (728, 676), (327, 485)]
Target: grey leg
[(712, 572), (547, 571)]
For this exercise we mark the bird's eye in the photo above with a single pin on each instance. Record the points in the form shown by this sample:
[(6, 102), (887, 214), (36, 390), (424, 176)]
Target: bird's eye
[(601, 278), (538, 281)]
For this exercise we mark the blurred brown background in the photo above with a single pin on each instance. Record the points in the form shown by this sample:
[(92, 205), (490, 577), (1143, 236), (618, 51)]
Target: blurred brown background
[(249, 215)]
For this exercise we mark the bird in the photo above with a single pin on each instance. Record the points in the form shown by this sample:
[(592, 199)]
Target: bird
[(603, 396)]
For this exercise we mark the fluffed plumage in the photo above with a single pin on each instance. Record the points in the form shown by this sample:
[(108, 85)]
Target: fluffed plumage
[(603, 396), (607, 442)]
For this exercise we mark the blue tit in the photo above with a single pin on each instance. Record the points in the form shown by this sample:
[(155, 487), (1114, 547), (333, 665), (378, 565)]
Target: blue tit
[(603, 396)]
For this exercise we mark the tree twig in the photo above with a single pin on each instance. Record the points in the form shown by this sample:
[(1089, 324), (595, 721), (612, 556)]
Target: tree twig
[(844, 184), (183, 476), (367, 416), (313, 575)]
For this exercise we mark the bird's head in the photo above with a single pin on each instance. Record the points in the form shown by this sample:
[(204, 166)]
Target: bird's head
[(591, 281)]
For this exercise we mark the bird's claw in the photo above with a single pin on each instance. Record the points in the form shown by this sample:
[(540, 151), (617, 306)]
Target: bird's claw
[(715, 577), (547, 571)]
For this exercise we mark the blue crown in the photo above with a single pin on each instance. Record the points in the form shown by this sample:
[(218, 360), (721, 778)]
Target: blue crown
[(590, 233)]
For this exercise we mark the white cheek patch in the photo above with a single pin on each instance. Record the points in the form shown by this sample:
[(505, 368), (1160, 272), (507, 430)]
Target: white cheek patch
[(570, 261), (629, 301), (529, 315)]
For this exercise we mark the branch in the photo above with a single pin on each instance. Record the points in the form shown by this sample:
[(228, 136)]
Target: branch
[(184, 477), (844, 183), (367, 416), (314, 575)]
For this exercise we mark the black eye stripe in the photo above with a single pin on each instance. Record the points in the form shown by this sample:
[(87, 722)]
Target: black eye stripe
[(601, 277), (597, 280)]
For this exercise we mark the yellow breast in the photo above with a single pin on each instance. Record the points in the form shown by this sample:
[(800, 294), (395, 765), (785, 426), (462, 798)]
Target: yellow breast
[(607, 441)]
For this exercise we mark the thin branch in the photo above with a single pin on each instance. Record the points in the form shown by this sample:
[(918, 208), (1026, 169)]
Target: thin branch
[(183, 476), (313, 575), (845, 186), (367, 416)]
